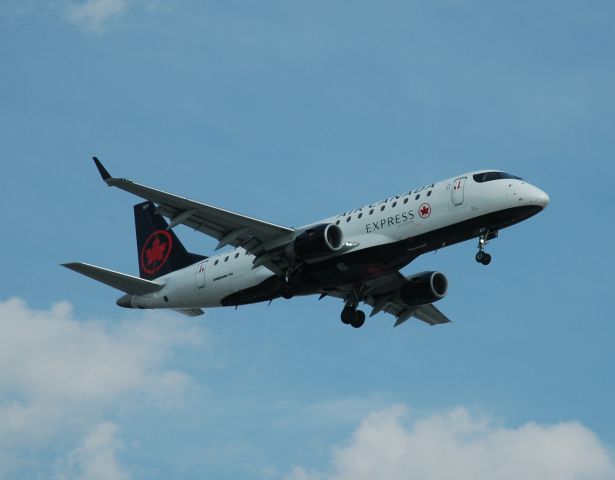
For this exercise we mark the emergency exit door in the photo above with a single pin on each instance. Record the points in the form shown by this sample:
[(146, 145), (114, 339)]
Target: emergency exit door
[(457, 193)]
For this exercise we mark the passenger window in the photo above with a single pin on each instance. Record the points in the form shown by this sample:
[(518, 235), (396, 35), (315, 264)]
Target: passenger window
[(382, 208), (371, 210), (360, 215), (405, 200), (417, 197), (429, 193), (348, 219), (226, 259), (337, 223), (237, 255), (394, 204), (216, 262)]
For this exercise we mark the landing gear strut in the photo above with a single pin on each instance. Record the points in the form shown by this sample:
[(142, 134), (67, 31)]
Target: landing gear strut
[(352, 316), (483, 239)]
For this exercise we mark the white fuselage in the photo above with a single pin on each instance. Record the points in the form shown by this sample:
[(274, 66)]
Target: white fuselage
[(424, 210)]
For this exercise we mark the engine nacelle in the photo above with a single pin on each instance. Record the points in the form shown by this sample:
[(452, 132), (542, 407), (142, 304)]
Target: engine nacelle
[(317, 242), (423, 288)]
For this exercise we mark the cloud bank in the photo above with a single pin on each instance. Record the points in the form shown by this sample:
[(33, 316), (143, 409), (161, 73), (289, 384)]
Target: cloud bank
[(460, 446), (60, 377)]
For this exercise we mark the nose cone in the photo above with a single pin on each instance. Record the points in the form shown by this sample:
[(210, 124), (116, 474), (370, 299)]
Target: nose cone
[(541, 198)]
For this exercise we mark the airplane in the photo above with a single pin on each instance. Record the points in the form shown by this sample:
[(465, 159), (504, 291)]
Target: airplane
[(355, 256)]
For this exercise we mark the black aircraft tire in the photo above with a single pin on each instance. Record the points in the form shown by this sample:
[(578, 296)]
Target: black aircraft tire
[(348, 315), (359, 319)]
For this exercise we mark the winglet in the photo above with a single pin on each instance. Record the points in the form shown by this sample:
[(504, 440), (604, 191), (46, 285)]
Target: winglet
[(101, 169)]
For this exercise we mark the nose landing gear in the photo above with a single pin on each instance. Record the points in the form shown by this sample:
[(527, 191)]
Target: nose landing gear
[(483, 239)]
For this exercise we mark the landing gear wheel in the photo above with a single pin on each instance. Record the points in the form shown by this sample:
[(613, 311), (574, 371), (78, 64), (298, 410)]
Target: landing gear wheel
[(483, 257), (358, 320), (348, 315), (486, 259)]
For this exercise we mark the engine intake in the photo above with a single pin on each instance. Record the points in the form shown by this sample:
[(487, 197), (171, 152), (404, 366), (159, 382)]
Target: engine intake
[(317, 242), (423, 288)]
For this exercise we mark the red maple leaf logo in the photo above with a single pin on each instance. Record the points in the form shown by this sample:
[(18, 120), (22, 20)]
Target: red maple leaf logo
[(425, 210), (155, 253)]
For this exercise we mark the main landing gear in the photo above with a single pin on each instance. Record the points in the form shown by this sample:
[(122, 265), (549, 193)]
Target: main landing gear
[(483, 239), (352, 316), (483, 257)]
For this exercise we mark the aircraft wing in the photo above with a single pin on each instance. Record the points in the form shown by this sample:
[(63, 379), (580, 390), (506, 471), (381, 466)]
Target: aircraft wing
[(379, 294), (229, 228)]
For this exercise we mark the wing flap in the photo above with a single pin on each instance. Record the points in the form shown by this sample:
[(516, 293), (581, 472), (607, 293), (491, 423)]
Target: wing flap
[(431, 314), (122, 281)]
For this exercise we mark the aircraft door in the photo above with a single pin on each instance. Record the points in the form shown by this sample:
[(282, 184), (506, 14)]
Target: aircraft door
[(199, 278), (457, 193)]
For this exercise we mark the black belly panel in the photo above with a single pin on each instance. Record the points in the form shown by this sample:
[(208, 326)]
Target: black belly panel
[(362, 265)]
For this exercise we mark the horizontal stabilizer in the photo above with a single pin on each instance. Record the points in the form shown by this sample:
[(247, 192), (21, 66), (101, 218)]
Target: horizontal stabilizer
[(121, 281), (190, 312)]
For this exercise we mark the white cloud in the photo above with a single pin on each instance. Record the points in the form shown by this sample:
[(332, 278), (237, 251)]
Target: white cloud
[(59, 375), (458, 445), (92, 15), (95, 458)]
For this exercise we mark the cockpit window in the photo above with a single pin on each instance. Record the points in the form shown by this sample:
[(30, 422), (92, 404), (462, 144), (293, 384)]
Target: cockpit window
[(489, 176)]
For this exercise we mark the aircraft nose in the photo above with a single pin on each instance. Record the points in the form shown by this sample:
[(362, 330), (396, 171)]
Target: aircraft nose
[(541, 198)]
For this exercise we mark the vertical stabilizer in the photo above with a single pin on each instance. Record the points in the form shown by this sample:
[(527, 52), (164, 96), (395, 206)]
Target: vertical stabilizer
[(160, 251)]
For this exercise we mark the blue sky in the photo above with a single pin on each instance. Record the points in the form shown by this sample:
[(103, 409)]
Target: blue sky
[(290, 112)]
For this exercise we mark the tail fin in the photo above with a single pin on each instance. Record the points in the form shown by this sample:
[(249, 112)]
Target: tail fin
[(160, 251)]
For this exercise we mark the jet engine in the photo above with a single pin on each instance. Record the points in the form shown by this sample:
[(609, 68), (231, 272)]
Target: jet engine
[(316, 242), (423, 288)]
